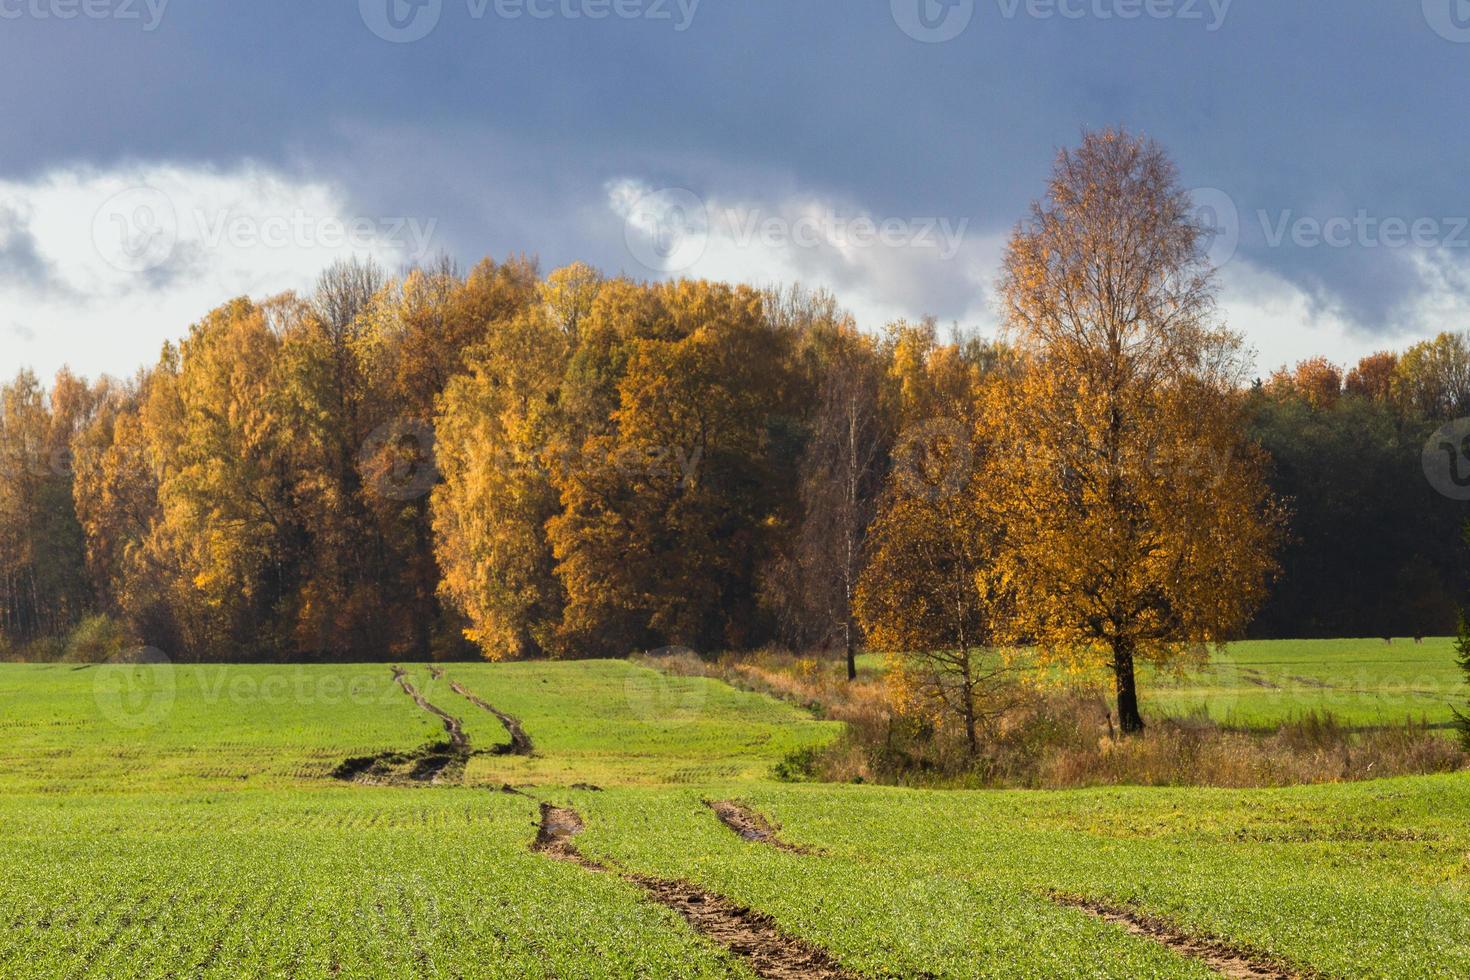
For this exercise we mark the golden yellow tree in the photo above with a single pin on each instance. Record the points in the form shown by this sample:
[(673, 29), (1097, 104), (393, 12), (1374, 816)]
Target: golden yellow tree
[(1317, 381), (1138, 522), (492, 434), (225, 546), (669, 505)]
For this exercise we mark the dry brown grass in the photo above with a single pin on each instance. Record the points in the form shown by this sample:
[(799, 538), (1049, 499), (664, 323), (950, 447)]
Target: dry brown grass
[(1315, 749), (817, 683), (1063, 739)]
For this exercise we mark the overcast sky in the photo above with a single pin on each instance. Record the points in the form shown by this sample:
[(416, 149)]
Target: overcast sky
[(158, 157)]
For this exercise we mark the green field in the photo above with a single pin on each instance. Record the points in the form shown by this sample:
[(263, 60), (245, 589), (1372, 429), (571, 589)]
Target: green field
[(182, 821), (1262, 683), (1362, 682)]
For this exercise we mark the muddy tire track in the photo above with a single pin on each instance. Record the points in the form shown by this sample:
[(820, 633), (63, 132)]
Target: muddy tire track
[(753, 936), (520, 743), (753, 827), (430, 764), (452, 725), (1222, 957), (1259, 679), (554, 835)]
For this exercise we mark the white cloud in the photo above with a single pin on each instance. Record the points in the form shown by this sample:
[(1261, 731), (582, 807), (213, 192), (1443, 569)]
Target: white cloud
[(882, 267), (99, 267), (952, 272), (1287, 323)]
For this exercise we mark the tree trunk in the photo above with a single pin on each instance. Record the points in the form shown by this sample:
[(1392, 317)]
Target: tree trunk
[(972, 735), (1128, 717), (851, 654), (424, 593)]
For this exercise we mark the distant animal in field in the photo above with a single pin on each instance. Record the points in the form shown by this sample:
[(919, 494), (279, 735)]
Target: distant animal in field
[(1418, 641), (1388, 640)]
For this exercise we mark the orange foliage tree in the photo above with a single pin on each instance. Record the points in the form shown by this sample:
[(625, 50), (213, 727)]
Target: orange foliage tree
[(1138, 524)]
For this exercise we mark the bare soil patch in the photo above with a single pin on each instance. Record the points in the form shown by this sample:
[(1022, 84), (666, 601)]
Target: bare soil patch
[(751, 935), (1225, 959), (752, 826), (554, 836), (432, 764)]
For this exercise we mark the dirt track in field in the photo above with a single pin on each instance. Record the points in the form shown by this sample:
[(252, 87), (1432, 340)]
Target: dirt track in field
[(1259, 679), (431, 764), (753, 827), (452, 725), (753, 936), (1224, 959), (520, 742)]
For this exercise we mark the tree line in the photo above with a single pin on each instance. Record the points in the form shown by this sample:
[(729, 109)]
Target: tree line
[(499, 462)]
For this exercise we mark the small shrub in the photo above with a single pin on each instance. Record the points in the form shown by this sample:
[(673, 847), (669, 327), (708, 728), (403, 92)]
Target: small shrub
[(799, 765), (44, 650), (96, 639)]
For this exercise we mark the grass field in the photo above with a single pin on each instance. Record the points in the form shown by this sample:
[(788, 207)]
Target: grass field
[(182, 821), (1261, 683), (1363, 682)]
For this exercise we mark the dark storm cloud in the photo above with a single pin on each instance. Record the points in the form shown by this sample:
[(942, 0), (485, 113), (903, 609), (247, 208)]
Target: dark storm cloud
[(22, 266), (507, 130)]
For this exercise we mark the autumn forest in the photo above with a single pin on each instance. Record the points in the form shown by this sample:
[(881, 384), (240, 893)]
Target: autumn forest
[(514, 463)]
